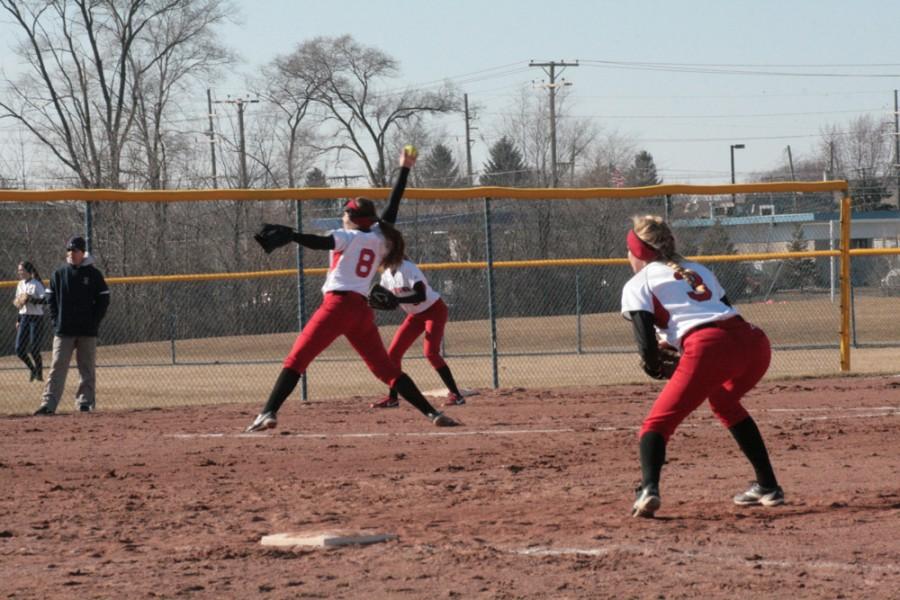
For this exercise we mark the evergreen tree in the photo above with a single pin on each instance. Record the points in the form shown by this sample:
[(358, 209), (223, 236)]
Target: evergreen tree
[(505, 166), (732, 275), (315, 178), (439, 169), (799, 273), (642, 172)]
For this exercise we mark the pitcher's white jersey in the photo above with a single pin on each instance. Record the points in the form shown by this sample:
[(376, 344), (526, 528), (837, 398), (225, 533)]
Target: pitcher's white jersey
[(676, 303), (402, 282), (354, 260)]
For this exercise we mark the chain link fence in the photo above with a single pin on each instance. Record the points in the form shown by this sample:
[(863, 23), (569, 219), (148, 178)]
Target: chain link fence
[(216, 318)]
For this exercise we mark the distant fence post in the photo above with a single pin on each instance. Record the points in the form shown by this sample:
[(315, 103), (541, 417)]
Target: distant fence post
[(489, 252), (578, 312), (173, 328), (853, 315), (89, 226), (301, 290)]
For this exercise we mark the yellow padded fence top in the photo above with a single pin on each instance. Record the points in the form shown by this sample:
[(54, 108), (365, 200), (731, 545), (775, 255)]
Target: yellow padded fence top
[(108, 195)]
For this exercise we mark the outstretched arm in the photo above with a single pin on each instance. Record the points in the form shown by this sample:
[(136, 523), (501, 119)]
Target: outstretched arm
[(272, 236), (407, 160), (315, 242)]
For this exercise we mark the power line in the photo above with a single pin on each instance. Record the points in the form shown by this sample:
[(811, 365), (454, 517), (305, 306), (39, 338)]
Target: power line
[(727, 69)]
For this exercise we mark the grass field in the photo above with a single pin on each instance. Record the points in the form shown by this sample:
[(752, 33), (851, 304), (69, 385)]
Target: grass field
[(540, 352)]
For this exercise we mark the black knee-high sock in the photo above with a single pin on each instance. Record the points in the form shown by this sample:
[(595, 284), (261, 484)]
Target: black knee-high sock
[(27, 361), (284, 385), (748, 437), (447, 378), (393, 392), (653, 455), (411, 394), (38, 363)]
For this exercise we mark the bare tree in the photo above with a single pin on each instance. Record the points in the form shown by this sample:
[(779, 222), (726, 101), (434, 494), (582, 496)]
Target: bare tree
[(89, 63), (179, 47), (342, 77), (294, 125), (861, 152), (528, 124)]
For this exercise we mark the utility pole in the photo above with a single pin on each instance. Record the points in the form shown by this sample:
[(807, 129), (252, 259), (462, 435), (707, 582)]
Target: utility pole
[(240, 102), (897, 145), (468, 140), (831, 160), (549, 68), (212, 138), (793, 178)]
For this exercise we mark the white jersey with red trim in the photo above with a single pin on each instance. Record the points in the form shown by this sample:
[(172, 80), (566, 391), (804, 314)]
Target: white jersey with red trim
[(675, 301), (401, 283), (354, 260)]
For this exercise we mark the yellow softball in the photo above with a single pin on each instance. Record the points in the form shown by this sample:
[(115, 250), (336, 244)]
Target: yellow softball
[(410, 150)]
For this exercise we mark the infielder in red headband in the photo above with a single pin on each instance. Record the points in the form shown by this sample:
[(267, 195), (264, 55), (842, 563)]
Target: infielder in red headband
[(676, 303), (639, 248)]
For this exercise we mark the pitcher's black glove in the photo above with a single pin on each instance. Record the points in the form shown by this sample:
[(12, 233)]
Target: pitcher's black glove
[(381, 298), (271, 236)]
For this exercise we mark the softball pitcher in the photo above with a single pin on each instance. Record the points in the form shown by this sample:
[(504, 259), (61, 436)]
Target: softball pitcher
[(356, 251), (425, 311), (722, 358)]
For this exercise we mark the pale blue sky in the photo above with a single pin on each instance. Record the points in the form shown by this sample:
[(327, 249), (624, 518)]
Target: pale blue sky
[(687, 120)]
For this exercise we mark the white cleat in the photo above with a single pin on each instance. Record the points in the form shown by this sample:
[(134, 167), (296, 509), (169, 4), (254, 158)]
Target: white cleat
[(262, 422)]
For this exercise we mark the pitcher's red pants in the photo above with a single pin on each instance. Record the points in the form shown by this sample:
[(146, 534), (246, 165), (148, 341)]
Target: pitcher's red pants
[(721, 362), (347, 314)]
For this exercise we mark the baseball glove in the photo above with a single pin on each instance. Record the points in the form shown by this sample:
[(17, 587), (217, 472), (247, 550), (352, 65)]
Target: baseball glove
[(272, 237), (21, 300), (381, 298), (668, 362)]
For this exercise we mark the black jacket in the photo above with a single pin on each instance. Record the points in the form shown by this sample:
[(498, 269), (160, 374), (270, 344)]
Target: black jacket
[(77, 298)]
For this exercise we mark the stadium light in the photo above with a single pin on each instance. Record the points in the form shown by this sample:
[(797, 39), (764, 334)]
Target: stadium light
[(733, 148)]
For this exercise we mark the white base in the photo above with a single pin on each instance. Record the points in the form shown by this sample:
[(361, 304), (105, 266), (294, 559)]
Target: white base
[(330, 539)]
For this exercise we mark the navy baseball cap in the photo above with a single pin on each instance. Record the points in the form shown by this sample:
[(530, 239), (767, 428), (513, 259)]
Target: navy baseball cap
[(76, 243)]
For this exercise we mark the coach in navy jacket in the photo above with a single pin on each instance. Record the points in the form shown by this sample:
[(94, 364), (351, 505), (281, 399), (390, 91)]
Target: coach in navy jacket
[(77, 299)]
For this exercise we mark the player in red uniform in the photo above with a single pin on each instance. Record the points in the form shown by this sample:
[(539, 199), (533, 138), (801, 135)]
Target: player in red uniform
[(425, 311), (357, 250), (723, 357)]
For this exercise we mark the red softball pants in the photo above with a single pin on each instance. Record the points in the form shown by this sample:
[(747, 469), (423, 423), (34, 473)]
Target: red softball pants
[(720, 362), (432, 321), (347, 314)]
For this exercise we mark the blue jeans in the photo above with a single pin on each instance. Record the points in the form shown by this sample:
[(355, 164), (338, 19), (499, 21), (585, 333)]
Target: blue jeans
[(28, 340)]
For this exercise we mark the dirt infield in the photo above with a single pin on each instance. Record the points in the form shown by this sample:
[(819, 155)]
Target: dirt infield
[(530, 499)]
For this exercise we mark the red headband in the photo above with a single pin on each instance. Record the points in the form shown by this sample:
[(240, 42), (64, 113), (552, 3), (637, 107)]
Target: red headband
[(639, 248), (352, 208)]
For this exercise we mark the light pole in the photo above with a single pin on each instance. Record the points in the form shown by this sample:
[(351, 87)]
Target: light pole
[(733, 148)]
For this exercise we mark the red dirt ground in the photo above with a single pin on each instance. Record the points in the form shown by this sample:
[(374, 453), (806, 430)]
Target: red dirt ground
[(530, 499)]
